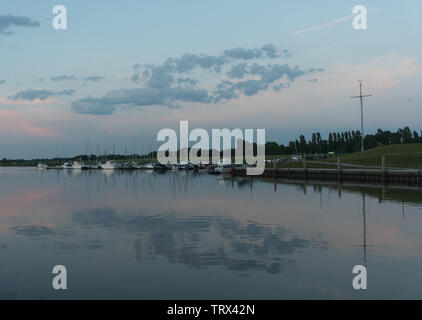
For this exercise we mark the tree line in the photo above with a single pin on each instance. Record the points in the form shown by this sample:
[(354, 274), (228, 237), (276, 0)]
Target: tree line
[(343, 142), (337, 142)]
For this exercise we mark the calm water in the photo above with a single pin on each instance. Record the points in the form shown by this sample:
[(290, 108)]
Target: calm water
[(142, 235)]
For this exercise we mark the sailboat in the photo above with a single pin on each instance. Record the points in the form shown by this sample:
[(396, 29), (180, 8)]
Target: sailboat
[(110, 165), (224, 166), (42, 166), (79, 165), (148, 166), (67, 165), (76, 165)]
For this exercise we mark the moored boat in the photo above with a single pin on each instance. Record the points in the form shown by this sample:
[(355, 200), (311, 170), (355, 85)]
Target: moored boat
[(42, 166), (109, 165), (224, 166), (76, 165), (66, 165), (148, 166)]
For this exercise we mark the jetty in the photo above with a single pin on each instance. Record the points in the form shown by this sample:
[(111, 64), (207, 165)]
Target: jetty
[(342, 172)]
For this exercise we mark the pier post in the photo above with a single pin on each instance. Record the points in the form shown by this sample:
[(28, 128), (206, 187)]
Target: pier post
[(275, 169), (384, 172), (339, 168), (384, 192), (304, 168)]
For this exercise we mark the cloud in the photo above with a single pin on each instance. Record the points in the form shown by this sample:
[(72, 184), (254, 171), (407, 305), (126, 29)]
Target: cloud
[(3, 81), (270, 50), (43, 94), (163, 75), (7, 21), (138, 97), (179, 80), (331, 23), (94, 78), (229, 90), (62, 78), (33, 231), (267, 74), (237, 71), (187, 81)]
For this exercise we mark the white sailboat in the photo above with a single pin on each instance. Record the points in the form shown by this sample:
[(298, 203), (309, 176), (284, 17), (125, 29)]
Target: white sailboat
[(66, 165), (148, 166), (42, 166), (224, 166), (110, 165), (76, 165)]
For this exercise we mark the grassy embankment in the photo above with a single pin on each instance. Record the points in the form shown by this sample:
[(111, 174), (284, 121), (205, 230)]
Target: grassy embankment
[(403, 156)]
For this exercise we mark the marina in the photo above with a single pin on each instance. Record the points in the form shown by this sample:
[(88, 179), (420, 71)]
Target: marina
[(342, 172)]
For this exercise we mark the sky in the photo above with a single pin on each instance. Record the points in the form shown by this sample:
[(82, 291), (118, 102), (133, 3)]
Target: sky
[(123, 70)]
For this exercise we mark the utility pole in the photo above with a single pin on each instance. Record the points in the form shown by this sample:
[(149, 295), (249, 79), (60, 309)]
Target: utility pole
[(361, 96)]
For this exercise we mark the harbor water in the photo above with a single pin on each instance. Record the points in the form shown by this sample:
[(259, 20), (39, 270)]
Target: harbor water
[(188, 235)]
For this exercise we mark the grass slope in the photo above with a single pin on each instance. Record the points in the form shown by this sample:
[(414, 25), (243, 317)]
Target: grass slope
[(404, 155)]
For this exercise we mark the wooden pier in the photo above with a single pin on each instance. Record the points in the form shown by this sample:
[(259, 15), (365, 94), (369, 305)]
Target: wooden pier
[(383, 175)]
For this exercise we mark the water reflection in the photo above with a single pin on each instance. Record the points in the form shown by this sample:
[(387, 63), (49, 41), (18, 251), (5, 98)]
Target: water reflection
[(187, 239), (296, 239), (33, 231)]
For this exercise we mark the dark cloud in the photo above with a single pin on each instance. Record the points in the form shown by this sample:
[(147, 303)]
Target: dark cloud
[(187, 81), (33, 231), (272, 73), (243, 54), (238, 71), (62, 78), (315, 70), (68, 92), (177, 80), (160, 77), (43, 94), (138, 97), (163, 75), (270, 50), (94, 78), (228, 90), (188, 62), (267, 74), (279, 86), (3, 81), (8, 21)]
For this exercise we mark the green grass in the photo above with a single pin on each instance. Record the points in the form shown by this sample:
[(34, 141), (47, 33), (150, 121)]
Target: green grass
[(404, 156)]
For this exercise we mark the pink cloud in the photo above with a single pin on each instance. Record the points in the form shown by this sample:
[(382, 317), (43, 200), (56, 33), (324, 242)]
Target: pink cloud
[(37, 101), (14, 123)]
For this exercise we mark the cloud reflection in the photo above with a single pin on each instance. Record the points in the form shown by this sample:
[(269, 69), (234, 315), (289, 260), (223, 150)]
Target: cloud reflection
[(198, 241)]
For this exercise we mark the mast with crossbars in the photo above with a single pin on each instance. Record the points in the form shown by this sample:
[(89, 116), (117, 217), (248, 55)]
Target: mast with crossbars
[(361, 96)]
